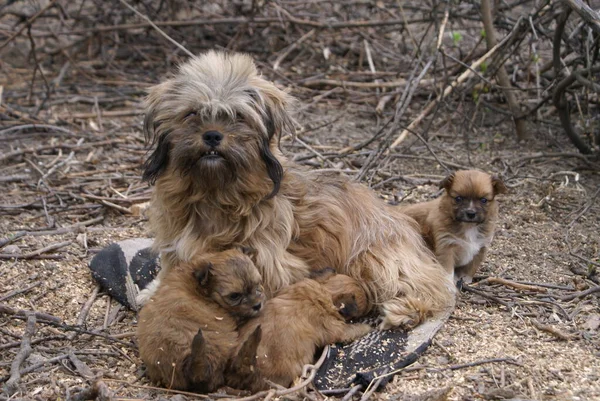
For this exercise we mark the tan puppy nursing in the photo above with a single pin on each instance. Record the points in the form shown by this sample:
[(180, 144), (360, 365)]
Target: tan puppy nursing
[(188, 331), (301, 319)]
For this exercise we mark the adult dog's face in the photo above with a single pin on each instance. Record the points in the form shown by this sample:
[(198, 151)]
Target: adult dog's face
[(215, 121)]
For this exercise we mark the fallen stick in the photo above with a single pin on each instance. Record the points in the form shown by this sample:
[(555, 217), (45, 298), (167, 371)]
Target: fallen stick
[(509, 283), (30, 255), (554, 331), (7, 310), (12, 384)]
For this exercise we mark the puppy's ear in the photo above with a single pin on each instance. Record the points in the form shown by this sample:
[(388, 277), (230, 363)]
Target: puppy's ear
[(498, 184), (323, 274), (202, 273), (157, 162), (250, 252), (446, 183)]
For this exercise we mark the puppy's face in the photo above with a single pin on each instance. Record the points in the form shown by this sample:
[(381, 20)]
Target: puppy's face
[(215, 121), (231, 279), (470, 195), (348, 295)]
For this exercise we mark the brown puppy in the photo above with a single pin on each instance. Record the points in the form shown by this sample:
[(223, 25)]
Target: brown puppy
[(220, 179), (459, 225), (188, 331), (299, 320)]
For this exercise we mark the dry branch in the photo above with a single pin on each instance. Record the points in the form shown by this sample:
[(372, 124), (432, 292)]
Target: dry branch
[(503, 80), (590, 16), (38, 252), (456, 83), (12, 384)]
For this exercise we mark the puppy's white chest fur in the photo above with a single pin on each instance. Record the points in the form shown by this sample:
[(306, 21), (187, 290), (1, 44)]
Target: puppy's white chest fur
[(469, 245)]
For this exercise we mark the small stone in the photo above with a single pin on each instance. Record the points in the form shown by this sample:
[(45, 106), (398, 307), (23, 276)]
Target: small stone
[(14, 249)]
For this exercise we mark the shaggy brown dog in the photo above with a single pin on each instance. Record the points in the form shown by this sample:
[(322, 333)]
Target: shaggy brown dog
[(188, 331), (459, 225), (221, 179), (301, 319)]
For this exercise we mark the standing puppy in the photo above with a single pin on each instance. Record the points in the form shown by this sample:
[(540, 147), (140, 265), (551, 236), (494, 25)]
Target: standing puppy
[(188, 331), (301, 319), (459, 225)]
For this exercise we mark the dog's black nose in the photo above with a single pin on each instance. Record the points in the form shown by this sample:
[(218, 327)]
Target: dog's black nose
[(212, 138), (257, 307), (471, 215)]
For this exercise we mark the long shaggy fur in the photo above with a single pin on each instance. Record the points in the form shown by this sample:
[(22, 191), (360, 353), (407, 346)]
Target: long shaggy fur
[(250, 194)]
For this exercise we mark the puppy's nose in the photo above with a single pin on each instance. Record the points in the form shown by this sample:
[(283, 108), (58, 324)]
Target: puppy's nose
[(257, 307), (471, 214), (212, 138)]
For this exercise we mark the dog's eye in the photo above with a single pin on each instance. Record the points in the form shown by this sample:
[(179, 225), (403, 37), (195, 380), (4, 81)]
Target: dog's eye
[(235, 296), (483, 200), (458, 199), (190, 114)]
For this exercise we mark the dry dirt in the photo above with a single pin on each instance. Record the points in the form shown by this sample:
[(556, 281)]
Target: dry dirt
[(525, 344), (546, 195)]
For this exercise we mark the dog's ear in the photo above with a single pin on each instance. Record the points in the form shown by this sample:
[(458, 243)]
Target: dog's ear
[(157, 161), (277, 120), (250, 252), (274, 167), (156, 95), (498, 184), (202, 273), (446, 183)]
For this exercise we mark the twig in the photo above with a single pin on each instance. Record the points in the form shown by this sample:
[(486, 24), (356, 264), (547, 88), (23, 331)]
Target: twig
[(291, 48), (27, 23), (553, 330), (12, 385), (373, 386), (5, 309), (589, 15), (468, 288), (581, 294), (352, 391), (38, 365), (20, 291), (37, 252), (86, 309), (501, 75), (509, 283), (12, 238), (153, 25), (364, 85), (241, 21)]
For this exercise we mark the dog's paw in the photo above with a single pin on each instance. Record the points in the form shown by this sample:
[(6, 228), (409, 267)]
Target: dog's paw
[(144, 295)]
